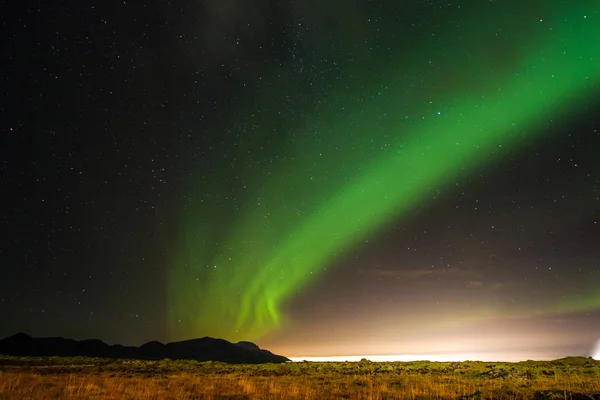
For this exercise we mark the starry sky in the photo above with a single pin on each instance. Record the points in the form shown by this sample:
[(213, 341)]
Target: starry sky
[(325, 178)]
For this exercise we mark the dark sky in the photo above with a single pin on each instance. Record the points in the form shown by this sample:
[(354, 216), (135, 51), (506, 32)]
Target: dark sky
[(322, 177)]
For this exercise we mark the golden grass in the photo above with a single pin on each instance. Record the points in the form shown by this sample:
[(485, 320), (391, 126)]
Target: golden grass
[(315, 381)]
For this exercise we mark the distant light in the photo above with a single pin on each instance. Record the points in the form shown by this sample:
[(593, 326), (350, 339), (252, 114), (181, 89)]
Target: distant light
[(398, 357), (443, 357), (596, 351)]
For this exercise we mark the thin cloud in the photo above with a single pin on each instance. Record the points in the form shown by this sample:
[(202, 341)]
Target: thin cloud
[(417, 273), (472, 279)]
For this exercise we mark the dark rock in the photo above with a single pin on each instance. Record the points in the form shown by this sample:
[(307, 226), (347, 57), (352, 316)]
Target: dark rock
[(154, 349), (202, 349), (20, 344), (248, 345), (93, 347)]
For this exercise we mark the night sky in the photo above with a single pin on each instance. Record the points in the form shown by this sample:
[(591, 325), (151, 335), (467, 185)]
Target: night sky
[(322, 177)]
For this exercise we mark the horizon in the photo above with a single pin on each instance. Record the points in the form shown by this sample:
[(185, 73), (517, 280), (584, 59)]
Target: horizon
[(535, 354), (459, 357)]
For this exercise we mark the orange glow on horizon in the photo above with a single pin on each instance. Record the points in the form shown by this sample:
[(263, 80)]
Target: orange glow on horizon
[(454, 357)]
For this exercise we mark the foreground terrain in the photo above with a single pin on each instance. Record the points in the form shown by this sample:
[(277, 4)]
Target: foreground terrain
[(97, 378)]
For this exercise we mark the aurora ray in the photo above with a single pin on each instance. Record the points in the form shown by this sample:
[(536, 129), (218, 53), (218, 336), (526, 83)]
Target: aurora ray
[(320, 202)]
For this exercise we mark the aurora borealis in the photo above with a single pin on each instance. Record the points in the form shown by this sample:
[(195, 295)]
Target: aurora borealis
[(324, 178), (274, 253)]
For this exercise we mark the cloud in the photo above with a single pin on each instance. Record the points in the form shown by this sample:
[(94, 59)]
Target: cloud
[(223, 22), (495, 286), (417, 273), (227, 27), (472, 279), (475, 284)]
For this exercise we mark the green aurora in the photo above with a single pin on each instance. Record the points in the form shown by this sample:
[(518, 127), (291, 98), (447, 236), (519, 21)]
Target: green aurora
[(382, 155)]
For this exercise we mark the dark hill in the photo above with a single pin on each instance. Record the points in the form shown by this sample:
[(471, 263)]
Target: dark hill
[(203, 349), (248, 345)]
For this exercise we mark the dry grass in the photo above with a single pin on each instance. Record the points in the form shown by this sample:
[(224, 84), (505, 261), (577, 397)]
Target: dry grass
[(145, 380)]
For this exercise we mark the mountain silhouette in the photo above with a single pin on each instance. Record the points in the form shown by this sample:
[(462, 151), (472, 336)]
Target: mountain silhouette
[(201, 349)]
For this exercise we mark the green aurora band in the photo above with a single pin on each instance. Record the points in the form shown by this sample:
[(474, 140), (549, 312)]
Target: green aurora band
[(380, 157)]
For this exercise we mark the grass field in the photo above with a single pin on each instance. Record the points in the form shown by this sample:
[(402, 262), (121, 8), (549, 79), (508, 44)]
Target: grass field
[(96, 378)]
